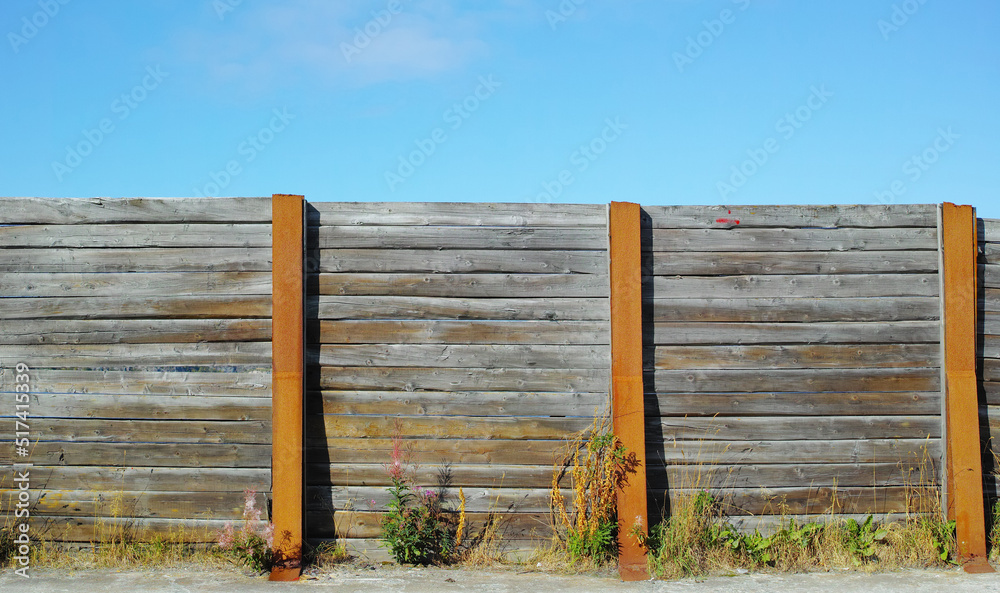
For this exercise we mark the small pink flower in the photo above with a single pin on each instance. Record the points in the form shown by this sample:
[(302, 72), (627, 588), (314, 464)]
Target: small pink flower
[(228, 536)]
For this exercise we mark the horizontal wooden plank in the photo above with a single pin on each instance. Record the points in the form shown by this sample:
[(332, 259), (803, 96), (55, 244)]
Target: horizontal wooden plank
[(111, 480), (181, 504), (430, 475), (809, 500), (366, 524), (460, 285), (121, 236), (989, 230), (794, 380), (990, 275), (94, 210), (794, 404), (896, 332), (989, 299), (52, 334), (776, 475), (665, 450), (792, 216), (794, 239), (151, 259), (459, 332), (254, 432), (829, 286), (437, 379), (484, 427), (457, 237), (990, 325), (989, 253), (31, 284), (794, 428), (516, 356), (255, 354), (338, 450), (463, 261), (246, 383), (144, 454), (405, 307), (718, 263), (805, 309), (457, 403), (795, 356), (87, 530), (147, 407), (128, 307), (336, 499), (456, 214)]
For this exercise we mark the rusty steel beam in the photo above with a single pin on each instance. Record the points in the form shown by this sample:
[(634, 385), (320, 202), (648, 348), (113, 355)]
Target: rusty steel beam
[(628, 412), (288, 373), (964, 484)]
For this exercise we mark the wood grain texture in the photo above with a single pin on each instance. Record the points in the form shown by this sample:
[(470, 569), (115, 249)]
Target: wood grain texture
[(795, 404), (185, 455), (457, 237), (215, 355), (802, 286), (795, 380), (461, 285), (152, 259), (484, 427), (457, 403), (794, 239), (254, 432), (245, 383), (734, 451), (149, 407), (338, 450), (445, 308), (719, 263), (150, 307), (85, 530), (516, 356), (796, 356), (454, 331), (436, 379), (455, 214), (31, 284), (461, 261), (104, 210), (796, 428), (898, 332), (796, 310), (150, 479), (65, 334), (792, 216), (123, 236), (180, 504)]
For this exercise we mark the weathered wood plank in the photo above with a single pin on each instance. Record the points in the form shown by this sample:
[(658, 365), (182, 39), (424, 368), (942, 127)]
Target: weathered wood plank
[(795, 428), (437, 379), (718, 263), (518, 356), (152, 259), (460, 332), (794, 404), (94, 210), (796, 239), (137, 235), (253, 432), (795, 356), (797, 216), (148, 407), (91, 529), (989, 299), (50, 335), (990, 229), (813, 500), (777, 310), (483, 427), (990, 325), (337, 450), (149, 479), (255, 383), (456, 214), (128, 307), (31, 284), (335, 499), (462, 261), (794, 380), (989, 253), (465, 476), (990, 275), (456, 403), (460, 285), (144, 454), (785, 475), (457, 237), (813, 286), (257, 354), (405, 307), (896, 332), (863, 450), (182, 504), (367, 524)]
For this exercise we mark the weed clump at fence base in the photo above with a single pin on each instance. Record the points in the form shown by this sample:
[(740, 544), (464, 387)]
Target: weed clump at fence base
[(697, 539)]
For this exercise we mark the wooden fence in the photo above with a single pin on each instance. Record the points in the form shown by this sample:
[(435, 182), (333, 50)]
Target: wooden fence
[(988, 344), (793, 356), (146, 328)]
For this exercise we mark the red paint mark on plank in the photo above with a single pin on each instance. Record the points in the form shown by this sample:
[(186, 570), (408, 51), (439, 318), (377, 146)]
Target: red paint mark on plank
[(727, 221)]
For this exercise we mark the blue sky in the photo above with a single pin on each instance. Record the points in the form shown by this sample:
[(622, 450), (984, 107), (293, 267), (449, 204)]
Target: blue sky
[(577, 101)]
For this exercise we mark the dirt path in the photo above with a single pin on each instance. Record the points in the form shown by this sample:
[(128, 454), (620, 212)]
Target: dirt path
[(436, 580)]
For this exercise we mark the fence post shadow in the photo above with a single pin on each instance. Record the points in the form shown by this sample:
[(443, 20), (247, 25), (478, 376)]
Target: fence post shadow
[(988, 447)]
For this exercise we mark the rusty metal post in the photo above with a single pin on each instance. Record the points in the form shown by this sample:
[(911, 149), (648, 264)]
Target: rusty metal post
[(288, 373), (628, 412), (964, 483)]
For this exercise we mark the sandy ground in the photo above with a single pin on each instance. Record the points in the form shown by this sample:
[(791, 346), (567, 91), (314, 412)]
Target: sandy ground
[(437, 580)]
